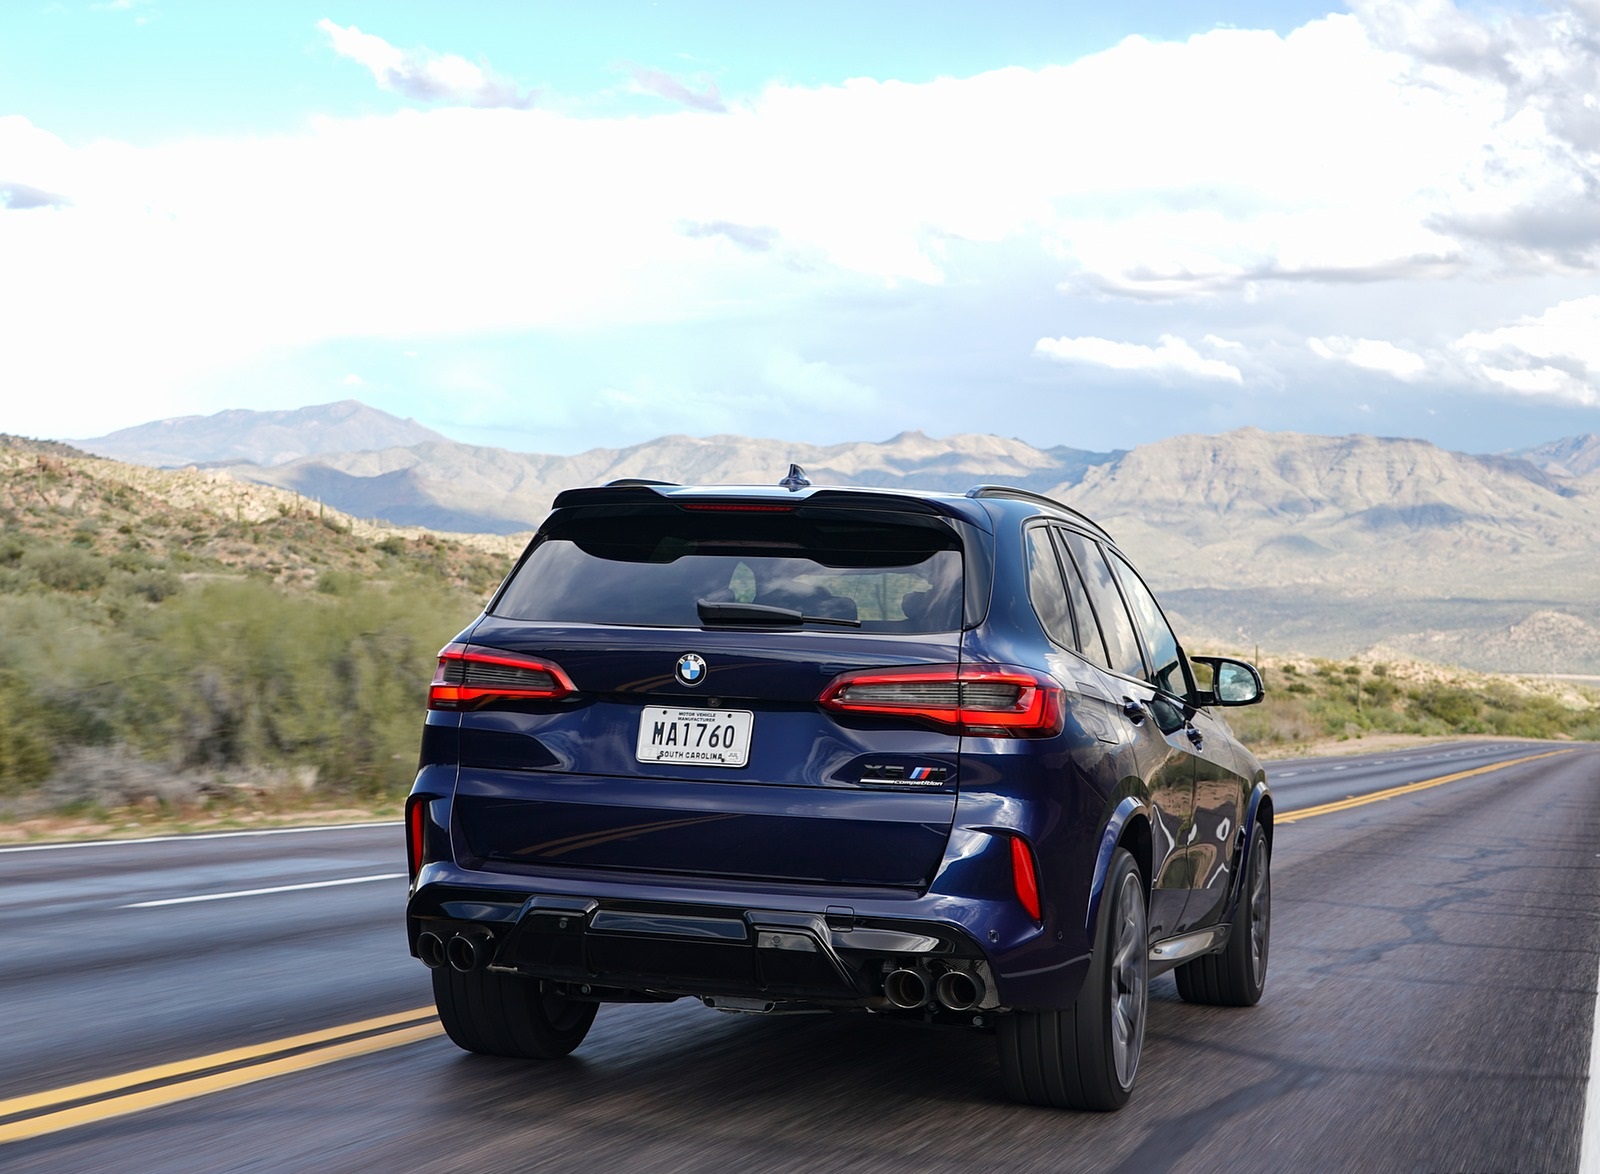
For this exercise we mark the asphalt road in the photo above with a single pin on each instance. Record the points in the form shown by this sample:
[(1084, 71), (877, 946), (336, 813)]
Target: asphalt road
[(1428, 1007)]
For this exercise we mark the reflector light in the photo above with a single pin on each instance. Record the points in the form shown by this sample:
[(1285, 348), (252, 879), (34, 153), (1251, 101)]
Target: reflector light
[(990, 701), (469, 677), (415, 814), (1025, 877)]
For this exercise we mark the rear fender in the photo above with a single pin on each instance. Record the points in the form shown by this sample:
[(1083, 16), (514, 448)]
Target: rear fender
[(1125, 812), (1257, 827)]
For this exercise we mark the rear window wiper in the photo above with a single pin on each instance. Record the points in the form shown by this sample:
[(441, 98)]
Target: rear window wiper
[(762, 613)]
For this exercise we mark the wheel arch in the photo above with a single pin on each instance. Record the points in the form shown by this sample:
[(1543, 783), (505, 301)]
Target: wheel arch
[(1128, 827), (1259, 814), (1257, 829)]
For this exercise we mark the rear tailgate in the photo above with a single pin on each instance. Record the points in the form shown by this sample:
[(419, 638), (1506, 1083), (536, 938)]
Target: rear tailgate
[(770, 785), (692, 640)]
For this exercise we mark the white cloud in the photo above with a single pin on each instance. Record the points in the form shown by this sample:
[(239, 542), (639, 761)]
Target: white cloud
[(1233, 169), (1372, 354), (421, 73), (1173, 357), (1554, 354)]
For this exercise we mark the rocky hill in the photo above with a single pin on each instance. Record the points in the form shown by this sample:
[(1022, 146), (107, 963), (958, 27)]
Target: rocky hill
[(71, 507)]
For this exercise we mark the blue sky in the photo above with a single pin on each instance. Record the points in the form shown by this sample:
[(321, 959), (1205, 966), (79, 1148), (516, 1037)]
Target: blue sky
[(555, 227)]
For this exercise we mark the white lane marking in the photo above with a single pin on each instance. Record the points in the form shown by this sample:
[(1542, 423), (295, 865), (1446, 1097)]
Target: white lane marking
[(354, 880), (331, 827), (1589, 1146)]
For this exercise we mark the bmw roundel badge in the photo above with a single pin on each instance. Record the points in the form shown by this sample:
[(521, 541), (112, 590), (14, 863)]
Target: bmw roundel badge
[(691, 669)]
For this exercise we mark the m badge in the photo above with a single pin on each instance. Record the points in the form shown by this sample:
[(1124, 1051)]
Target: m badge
[(897, 775)]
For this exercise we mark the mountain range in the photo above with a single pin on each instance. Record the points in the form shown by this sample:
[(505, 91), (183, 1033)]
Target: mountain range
[(1326, 545), (259, 438)]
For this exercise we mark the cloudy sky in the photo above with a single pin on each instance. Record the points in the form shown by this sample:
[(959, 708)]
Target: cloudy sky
[(553, 226)]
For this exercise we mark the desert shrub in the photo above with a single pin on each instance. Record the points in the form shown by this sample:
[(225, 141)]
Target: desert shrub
[(154, 584), (65, 568), (331, 582), (25, 757), (242, 673), (1382, 691), (1455, 707)]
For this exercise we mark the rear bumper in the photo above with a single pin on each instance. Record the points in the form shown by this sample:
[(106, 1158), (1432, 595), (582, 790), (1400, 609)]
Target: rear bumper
[(611, 939)]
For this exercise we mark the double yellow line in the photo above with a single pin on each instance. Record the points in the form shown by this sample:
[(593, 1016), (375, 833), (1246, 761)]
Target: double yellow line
[(166, 1084), (1394, 792)]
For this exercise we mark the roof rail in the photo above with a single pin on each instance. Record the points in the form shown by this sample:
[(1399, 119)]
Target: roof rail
[(1038, 499), (635, 481)]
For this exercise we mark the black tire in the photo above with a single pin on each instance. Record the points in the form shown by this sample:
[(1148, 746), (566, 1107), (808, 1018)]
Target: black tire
[(504, 1015), (1087, 1057), (1237, 976)]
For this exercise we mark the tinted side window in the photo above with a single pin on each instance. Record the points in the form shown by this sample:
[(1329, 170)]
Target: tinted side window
[(1045, 589), (1115, 623), (1089, 640), (1167, 668)]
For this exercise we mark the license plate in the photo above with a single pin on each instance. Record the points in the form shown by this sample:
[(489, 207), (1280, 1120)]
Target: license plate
[(700, 737)]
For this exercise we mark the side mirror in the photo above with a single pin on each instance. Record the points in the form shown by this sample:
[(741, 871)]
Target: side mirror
[(1233, 682)]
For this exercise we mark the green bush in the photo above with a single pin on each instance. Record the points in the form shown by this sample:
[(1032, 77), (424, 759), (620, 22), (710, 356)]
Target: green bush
[(65, 568), (25, 758), (1457, 708), (229, 673), (241, 673)]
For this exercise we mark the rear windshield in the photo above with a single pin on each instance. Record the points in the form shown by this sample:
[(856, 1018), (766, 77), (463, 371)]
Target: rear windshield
[(652, 568)]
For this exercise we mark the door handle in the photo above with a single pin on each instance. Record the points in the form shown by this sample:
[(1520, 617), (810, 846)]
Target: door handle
[(1136, 712)]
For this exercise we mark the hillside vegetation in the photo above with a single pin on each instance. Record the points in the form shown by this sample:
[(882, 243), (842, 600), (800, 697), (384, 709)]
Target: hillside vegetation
[(173, 637), (176, 642), (1311, 702)]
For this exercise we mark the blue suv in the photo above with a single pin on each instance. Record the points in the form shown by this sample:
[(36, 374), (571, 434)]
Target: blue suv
[(792, 748)]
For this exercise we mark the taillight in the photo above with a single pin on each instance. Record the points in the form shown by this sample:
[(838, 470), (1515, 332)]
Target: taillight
[(416, 812), (469, 676), (986, 701), (1025, 877)]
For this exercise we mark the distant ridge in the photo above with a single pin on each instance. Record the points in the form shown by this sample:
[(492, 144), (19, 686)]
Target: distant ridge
[(1317, 544), (259, 438), (498, 491), (1573, 456)]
